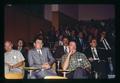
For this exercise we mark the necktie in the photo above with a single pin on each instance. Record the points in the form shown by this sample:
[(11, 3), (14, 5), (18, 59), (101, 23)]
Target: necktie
[(82, 44), (94, 54), (65, 49), (42, 58), (40, 52)]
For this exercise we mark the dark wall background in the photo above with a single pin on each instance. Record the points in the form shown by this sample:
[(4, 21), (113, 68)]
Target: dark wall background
[(23, 23)]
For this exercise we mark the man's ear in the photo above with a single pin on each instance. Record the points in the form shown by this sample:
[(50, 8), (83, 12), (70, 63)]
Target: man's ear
[(33, 44), (11, 45), (42, 44), (90, 43)]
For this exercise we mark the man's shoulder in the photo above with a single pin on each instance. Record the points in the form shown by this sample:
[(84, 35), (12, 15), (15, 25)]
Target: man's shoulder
[(31, 50), (59, 47), (80, 53), (45, 48), (15, 51)]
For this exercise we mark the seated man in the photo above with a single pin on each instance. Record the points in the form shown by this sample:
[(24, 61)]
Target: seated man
[(40, 57), (98, 59), (13, 59), (76, 62)]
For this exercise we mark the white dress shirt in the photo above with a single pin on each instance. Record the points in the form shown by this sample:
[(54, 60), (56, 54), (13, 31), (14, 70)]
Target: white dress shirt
[(96, 54), (66, 49), (39, 51)]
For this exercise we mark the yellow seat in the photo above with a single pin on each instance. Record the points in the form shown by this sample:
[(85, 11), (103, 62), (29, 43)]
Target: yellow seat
[(54, 77), (14, 76)]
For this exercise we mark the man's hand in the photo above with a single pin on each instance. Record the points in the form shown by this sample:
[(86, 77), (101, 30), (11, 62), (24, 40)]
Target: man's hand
[(10, 66), (90, 59), (71, 52), (45, 66)]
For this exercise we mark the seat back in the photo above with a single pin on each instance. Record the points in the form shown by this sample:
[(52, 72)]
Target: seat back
[(15, 75)]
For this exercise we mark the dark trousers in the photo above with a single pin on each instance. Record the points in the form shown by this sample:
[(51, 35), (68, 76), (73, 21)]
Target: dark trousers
[(101, 68), (78, 73), (41, 74)]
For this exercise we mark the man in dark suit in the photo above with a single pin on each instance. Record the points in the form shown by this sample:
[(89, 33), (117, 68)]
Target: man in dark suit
[(62, 49), (72, 37), (106, 43), (81, 43), (98, 59), (41, 57)]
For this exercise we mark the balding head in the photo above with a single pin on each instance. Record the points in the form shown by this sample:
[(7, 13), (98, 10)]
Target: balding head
[(72, 46), (8, 45)]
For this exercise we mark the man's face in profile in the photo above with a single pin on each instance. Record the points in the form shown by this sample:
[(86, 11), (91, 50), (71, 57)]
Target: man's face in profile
[(8, 46)]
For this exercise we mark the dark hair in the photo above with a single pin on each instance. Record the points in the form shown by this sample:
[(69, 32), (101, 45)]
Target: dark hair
[(65, 37), (93, 38), (37, 38), (22, 41)]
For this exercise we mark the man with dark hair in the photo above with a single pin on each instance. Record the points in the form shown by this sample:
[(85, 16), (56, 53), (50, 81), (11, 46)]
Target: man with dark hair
[(62, 49), (40, 57), (81, 42), (98, 59)]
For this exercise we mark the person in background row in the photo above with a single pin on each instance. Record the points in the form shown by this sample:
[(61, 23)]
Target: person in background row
[(104, 41), (13, 59), (40, 57), (73, 35), (21, 47), (76, 62), (62, 49), (59, 42), (81, 42)]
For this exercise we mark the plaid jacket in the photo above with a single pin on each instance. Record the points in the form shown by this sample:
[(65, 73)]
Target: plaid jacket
[(77, 60)]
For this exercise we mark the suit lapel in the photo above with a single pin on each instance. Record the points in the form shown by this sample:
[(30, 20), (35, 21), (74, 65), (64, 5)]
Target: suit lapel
[(35, 52), (91, 52), (44, 55)]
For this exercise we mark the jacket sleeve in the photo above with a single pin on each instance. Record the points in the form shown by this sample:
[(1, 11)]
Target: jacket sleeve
[(50, 57)]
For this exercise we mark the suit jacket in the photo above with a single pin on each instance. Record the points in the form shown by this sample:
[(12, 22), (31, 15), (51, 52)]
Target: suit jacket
[(101, 53), (100, 44), (79, 46), (35, 59), (101, 67), (59, 52)]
